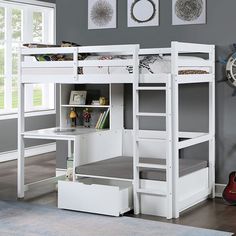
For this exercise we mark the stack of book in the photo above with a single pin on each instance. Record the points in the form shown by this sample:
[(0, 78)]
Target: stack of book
[(103, 120)]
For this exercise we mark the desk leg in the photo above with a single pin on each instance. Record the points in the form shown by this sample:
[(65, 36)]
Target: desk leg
[(76, 155)]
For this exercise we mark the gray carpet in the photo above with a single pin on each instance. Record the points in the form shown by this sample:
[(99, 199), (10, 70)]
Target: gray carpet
[(17, 218)]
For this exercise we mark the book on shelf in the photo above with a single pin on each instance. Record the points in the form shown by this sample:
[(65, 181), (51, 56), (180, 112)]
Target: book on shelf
[(99, 121), (105, 119), (102, 120)]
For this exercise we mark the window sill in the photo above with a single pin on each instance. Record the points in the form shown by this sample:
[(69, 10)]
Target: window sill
[(27, 114)]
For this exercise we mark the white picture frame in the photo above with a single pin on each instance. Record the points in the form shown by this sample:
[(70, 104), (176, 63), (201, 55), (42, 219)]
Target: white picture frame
[(78, 97), (141, 13), (102, 14), (182, 14)]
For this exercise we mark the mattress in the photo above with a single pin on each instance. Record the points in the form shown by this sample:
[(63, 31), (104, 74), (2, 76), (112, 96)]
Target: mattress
[(122, 168), (151, 64)]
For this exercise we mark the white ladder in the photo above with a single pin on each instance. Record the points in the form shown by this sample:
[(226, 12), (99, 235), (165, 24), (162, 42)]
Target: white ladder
[(137, 189)]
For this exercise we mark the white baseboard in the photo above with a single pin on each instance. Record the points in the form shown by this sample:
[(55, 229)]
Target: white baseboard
[(219, 188), (29, 152), (60, 172)]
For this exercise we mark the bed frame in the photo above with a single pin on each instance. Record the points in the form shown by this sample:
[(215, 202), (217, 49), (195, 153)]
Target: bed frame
[(104, 195)]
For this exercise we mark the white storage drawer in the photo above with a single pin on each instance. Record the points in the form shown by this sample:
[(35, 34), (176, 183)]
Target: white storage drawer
[(108, 197)]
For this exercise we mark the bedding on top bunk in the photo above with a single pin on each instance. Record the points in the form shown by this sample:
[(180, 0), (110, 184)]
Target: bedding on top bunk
[(151, 64), (122, 168)]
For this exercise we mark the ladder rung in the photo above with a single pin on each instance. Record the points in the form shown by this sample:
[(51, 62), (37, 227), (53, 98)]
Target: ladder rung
[(151, 114), (151, 88), (152, 166), (151, 192), (150, 139)]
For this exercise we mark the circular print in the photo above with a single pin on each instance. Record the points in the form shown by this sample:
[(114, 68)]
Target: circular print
[(231, 69), (188, 10), (101, 13), (140, 15)]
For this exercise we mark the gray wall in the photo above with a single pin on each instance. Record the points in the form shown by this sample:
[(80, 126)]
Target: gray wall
[(72, 26)]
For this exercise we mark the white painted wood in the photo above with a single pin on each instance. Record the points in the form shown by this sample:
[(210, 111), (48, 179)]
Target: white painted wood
[(175, 129), (169, 143), (21, 129), (151, 114), (136, 153), (194, 141), (189, 193), (116, 106), (154, 51), (212, 126), (178, 192), (95, 196), (193, 79), (29, 152)]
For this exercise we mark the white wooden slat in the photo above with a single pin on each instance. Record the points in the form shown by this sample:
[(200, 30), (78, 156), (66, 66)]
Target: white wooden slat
[(151, 192), (47, 64), (152, 166), (115, 63), (194, 141), (151, 88), (110, 48), (193, 63), (49, 50), (192, 48), (151, 114), (152, 51), (190, 79), (154, 78)]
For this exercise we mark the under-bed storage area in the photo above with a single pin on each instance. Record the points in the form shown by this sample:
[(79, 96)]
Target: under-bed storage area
[(101, 196)]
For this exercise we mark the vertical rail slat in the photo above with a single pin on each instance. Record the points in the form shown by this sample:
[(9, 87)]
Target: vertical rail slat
[(175, 128), (212, 126), (169, 149), (21, 129), (136, 181)]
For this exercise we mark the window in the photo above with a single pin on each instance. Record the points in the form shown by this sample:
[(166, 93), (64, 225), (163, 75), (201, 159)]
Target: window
[(23, 23)]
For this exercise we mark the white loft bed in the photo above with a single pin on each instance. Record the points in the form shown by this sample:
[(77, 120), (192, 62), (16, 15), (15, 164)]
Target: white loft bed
[(114, 195)]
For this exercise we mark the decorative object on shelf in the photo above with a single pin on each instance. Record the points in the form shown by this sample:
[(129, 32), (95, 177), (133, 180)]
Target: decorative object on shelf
[(95, 103), (185, 12), (143, 13), (73, 117), (102, 101), (78, 97), (229, 193), (86, 117), (101, 14)]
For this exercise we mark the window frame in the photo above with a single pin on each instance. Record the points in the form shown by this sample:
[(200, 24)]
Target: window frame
[(28, 7)]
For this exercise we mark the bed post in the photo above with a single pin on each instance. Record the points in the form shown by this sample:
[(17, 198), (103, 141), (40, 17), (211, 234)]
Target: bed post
[(136, 180), (175, 128), (212, 125), (21, 129)]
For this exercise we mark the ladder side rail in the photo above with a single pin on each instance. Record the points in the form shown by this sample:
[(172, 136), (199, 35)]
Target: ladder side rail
[(212, 126), (175, 128), (169, 180), (136, 180), (21, 130)]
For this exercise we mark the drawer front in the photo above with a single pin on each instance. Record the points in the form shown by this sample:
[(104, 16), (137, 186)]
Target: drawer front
[(93, 198)]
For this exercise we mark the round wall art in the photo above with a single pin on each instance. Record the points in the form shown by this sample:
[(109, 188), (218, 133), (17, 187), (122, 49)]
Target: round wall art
[(101, 14), (143, 13), (189, 12)]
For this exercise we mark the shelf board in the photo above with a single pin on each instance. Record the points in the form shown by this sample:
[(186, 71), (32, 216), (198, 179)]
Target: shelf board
[(92, 106)]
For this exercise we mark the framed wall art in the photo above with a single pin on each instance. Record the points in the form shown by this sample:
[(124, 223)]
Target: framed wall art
[(186, 12), (143, 13), (101, 14)]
